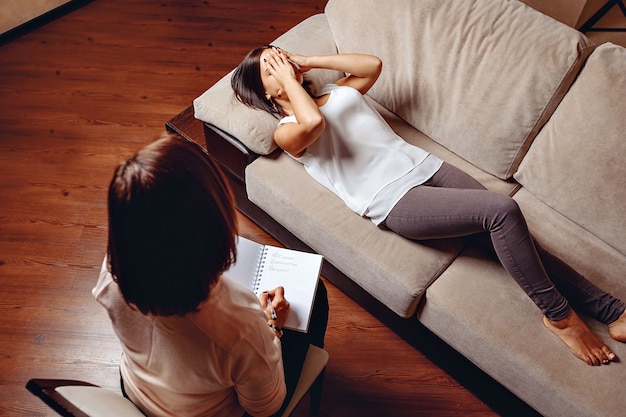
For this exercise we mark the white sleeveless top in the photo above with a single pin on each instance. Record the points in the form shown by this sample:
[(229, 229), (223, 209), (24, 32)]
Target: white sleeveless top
[(360, 158)]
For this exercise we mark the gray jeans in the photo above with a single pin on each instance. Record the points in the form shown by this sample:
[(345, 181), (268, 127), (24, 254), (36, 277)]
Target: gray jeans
[(453, 204)]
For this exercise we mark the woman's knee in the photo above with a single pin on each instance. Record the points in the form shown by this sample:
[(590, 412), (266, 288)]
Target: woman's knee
[(510, 206), (506, 209)]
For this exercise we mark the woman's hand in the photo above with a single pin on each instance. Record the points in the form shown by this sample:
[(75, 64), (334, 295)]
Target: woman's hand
[(363, 70), (275, 305), (280, 67), (301, 62)]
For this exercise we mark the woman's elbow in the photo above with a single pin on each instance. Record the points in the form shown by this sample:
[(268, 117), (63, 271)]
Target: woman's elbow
[(314, 128), (317, 125), (377, 65)]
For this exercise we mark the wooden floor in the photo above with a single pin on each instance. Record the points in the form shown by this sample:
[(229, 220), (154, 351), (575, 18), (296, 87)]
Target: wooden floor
[(79, 95)]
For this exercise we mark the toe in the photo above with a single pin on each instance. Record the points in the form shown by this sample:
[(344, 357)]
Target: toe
[(589, 359), (610, 356)]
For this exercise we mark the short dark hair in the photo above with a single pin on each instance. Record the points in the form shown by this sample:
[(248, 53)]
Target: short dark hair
[(247, 85), (172, 227)]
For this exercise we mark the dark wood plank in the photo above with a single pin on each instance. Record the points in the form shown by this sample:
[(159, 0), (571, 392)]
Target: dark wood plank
[(77, 96)]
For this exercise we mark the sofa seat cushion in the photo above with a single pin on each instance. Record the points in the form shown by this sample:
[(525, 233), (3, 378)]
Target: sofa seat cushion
[(577, 164), (394, 270), (582, 250), (480, 77), (255, 129), (478, 309)]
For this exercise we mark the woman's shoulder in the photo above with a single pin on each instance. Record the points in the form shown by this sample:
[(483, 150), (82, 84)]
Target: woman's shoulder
[(228, 312), (228, 288), (288, 119), (328, 88), (343, 91)]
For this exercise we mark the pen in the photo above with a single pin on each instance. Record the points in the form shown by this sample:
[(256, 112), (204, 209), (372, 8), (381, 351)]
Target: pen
[(272, 311)]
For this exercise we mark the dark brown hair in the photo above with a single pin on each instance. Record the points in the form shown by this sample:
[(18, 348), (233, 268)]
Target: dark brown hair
[(172, 227), (248, 87)]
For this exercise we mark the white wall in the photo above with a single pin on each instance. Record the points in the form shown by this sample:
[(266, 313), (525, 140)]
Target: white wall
[(15, 12)]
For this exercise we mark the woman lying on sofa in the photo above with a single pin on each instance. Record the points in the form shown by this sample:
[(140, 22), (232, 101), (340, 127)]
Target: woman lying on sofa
[(348, 147)]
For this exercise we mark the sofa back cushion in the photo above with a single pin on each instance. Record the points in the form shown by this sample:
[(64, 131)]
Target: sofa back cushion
[(255, 129), (577, 164), (480, 77)]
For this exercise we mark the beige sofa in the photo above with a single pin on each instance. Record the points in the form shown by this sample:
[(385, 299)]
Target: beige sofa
[(529, 107)]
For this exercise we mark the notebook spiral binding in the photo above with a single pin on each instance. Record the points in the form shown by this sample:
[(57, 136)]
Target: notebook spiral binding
[(259, 271)]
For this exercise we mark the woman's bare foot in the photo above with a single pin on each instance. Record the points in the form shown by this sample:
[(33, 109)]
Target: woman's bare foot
[(617, 329), (581, 341)]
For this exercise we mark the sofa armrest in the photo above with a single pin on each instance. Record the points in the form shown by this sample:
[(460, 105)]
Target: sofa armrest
[(232, 154)]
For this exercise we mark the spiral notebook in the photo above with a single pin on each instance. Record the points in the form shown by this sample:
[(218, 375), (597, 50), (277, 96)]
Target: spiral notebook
[(264, 267)]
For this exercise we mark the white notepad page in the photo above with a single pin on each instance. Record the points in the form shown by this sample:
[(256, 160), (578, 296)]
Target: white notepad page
[(264, 267)]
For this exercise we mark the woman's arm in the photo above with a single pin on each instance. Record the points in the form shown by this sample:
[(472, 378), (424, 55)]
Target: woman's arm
[(294, 138), (363, 70)]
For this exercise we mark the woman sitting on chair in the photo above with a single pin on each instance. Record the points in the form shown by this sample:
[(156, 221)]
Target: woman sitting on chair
[(194, 343)]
